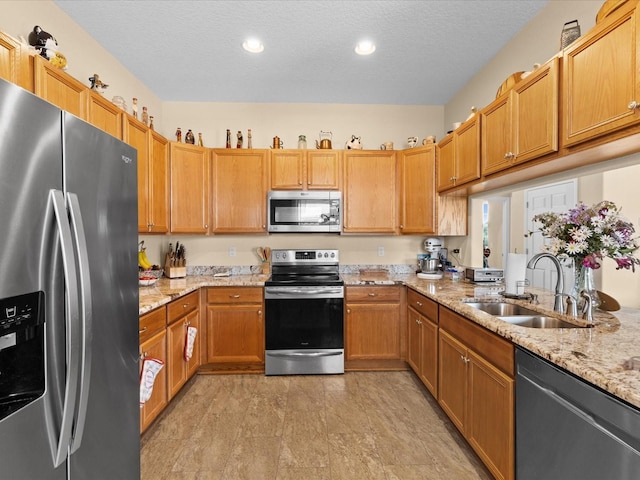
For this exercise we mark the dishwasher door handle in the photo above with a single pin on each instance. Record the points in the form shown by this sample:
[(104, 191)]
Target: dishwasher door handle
[(305, 354)]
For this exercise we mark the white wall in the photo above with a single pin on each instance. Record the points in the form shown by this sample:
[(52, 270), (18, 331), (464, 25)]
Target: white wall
[(84, 55)]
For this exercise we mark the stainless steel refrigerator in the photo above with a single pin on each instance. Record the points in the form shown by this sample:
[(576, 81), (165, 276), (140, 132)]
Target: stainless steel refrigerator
[(69, 378)]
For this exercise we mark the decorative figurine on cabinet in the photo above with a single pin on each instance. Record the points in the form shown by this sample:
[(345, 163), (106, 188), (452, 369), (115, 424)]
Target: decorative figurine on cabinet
[(189, 138), (240, 141), (145, 116), (200, 142), (354, 143), (97, 84), (134, 108), (178, 135), (47, 47), (151, 122), (249, 144), (228, 138)]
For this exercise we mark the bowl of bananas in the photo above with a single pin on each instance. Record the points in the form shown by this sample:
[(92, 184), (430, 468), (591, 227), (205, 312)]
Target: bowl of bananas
[(148, 273)]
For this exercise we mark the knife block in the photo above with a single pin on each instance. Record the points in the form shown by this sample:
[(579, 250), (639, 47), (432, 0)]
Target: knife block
[(175, 272)]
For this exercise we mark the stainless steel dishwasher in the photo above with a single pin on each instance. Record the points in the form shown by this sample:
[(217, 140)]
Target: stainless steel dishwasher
[(569, 429)]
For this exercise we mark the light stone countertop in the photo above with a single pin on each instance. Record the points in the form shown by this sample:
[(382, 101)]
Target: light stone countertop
[(595, 354)]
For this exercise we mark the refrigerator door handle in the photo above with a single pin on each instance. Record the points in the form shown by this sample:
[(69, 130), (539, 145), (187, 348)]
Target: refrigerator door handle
[(72, 324), (86, 315)]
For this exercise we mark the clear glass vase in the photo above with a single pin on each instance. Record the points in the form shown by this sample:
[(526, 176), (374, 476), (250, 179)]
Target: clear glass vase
[(584, 282)]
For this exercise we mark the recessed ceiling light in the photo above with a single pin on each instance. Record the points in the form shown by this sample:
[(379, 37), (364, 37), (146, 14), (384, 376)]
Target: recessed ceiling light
[(365, 47), (253, 45)]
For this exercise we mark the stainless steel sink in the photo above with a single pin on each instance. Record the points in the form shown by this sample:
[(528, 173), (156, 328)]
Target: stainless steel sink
[(537, 321), (502, 309), (521, 316)]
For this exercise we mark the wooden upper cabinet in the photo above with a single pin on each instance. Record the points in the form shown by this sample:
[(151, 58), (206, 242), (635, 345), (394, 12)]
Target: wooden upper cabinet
[(323, 169), (417, 167), (190, 181), (239, 190), (61, 89), (105, 115), (601, 79), (135, 134), (369, 191), (523, 124), (305, 169), (14, 62), (158, 194), (459, 158)]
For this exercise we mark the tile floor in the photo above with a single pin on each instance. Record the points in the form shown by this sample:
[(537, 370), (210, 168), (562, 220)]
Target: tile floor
[(369, 426)]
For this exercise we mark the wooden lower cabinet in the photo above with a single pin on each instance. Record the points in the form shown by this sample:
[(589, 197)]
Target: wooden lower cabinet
[(235, 325), (373, 323), (153, 344), (182, 314), (422, 330), (476, 390)]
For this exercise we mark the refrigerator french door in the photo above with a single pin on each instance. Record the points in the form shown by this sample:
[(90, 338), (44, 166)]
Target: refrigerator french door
[(68, 296)]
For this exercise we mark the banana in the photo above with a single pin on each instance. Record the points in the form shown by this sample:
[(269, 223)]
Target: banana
[(143, 261)]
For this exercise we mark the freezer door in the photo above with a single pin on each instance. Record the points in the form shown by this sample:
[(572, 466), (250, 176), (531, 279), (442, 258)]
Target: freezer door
[(30, 166), (100, 182)]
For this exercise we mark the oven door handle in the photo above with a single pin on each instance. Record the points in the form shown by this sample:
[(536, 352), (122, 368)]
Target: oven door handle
[(305, 354), (289, 292)]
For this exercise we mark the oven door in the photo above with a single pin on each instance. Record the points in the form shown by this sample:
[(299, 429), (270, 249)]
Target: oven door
[(304, 330)]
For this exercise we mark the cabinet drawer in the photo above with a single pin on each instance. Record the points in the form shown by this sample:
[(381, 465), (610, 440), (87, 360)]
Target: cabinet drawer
[(492, 347), (183, 305), (373, 294), (229, 295), (423, 305), (152, 322)]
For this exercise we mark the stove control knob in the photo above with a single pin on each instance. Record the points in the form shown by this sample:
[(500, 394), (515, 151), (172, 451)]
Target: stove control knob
[(333, 254)]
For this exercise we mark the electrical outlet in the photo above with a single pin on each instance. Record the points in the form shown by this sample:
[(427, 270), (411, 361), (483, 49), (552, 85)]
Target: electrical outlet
[(232, 251), (381, 251), (455, 250)]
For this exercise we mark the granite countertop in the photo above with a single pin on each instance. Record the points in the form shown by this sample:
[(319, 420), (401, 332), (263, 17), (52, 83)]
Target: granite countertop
[(595, 354)]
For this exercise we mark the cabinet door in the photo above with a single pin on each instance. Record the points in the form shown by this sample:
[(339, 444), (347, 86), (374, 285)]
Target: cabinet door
[(155, 347), (535, 114), (601, 81), (60, 88), (240, 184), (445, 164), (372, 332), (323, 170), (490, 421), (176, 365), (105, 115), (14, 62), (158, 206), (134, 133), (496, 135), (287, 169), (414, 333), (429, 355), (467, 151), (370, 192), (417, 190), (189, 188), (452, 376), (235, 333)]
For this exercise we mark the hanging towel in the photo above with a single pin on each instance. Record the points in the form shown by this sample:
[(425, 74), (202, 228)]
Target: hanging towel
[(189, 342), (150, 368)]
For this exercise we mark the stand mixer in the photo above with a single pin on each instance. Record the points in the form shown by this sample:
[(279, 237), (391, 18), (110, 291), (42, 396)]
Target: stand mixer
[(431, 265)]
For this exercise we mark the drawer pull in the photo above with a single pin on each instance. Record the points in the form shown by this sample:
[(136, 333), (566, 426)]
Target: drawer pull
[(372, 294), (186, 305), (633, 105), (419, 303), (142, 331), (234, 296)]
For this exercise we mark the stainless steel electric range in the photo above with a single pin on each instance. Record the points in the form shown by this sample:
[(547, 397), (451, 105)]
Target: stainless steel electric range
[(304, 313)]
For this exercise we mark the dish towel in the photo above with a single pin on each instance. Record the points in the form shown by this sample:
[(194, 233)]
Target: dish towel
[(150, 368), (189, 342)]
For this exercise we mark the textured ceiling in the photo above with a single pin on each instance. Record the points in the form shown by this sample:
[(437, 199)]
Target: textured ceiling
[(427, 50)]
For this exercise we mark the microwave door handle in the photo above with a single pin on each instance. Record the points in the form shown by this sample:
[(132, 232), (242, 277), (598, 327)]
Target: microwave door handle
[(86, 316), (72, 323)]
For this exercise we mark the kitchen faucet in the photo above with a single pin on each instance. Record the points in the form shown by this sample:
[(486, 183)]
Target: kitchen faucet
[(558, 306)]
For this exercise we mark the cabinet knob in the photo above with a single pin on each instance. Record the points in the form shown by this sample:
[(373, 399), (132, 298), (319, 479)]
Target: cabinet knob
[(299, 183), (206, 226), (259, 312), (401, 227), (633, 105), (264, 227), (348, 310), (187, 323)]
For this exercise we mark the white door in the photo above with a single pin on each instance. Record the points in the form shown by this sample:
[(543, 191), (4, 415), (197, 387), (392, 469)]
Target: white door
[(557, 197)]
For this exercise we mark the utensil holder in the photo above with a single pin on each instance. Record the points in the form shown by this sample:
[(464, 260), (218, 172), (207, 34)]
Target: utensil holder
[(570, 32), (266, 268)]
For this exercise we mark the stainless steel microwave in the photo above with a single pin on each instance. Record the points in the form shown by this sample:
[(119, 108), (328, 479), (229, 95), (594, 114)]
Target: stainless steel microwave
[(318, 211)]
